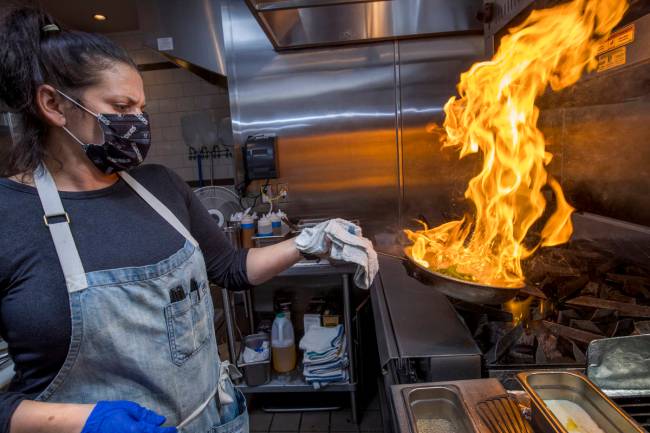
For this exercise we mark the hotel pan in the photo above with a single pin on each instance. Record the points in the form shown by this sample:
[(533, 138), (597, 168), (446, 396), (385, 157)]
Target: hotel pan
[(566, 385)]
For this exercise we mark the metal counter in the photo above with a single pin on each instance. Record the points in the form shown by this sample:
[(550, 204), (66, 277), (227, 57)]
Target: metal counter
[(420, 336)]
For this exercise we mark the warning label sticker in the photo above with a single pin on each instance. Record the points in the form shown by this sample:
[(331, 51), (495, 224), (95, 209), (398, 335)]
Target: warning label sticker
[(611, 59), (617, 39)]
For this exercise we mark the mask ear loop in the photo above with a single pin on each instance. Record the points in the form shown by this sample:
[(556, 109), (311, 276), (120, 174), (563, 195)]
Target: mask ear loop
[(74, 137), (95, 115), (77, 104)]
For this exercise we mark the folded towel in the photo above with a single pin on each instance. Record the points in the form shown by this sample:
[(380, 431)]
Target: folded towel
[(321, 339), (342, 240), (333, 378), (325, 369), (327, 356)]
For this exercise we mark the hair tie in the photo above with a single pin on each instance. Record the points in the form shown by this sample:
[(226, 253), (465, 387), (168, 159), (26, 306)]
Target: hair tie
[(50, 28)]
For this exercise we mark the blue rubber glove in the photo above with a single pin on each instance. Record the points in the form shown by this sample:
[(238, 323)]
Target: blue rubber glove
[(124, 417)]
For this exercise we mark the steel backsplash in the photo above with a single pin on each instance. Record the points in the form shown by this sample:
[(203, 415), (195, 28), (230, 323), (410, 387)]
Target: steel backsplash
[(596, 129), (351, 121)]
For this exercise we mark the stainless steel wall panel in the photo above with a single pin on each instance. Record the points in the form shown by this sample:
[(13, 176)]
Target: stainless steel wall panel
[(333, 111), (598, 133), (434, 179), (603, 161), (597, 129)]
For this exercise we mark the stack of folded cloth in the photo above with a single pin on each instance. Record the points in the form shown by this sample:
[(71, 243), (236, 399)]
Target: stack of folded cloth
[(325, 360)]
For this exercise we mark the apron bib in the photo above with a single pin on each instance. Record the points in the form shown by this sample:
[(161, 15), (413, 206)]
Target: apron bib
[(143, 334)]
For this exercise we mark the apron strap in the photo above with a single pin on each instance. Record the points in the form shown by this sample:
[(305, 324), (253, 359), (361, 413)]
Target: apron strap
[(157, 205), (66, 249)]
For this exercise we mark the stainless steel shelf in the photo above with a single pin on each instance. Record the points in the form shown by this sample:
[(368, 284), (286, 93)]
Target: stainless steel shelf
[(321, 268), (295, 384)]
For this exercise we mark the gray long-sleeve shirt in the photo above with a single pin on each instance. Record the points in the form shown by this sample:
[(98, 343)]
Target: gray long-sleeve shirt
[(113, 228)]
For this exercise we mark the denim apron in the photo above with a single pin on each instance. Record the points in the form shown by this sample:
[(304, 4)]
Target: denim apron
[(143, 334)]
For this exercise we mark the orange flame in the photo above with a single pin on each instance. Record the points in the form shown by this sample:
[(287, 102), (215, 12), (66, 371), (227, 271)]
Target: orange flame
[(520, 310), (496, 115)]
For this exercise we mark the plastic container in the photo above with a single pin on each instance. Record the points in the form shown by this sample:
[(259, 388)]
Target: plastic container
[(264, 227), (276, 224), (256, 373), (247, 231), (283, 344)]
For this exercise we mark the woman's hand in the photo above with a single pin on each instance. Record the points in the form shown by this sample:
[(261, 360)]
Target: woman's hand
[(124, 417), (262, 264), (104, 417)]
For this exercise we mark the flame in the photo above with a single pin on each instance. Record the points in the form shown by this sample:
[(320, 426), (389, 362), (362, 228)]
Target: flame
[(495, 114), (520, 310)]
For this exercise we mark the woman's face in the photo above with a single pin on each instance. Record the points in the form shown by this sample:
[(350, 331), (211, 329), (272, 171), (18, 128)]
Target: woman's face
[(119, 91)]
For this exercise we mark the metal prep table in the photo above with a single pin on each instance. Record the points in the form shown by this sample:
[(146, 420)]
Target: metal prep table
[(314, 269)]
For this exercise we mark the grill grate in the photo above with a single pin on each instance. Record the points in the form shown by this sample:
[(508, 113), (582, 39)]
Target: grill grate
[(637, 407)]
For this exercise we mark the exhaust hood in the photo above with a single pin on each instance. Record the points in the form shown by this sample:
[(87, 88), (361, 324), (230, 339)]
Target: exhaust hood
[(291, 24), (188, 33)]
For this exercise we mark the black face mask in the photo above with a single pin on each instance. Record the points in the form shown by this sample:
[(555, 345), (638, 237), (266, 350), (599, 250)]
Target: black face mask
[(127, 138)]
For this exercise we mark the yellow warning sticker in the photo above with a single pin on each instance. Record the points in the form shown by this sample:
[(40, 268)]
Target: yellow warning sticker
[(617, 39), (611, 59)]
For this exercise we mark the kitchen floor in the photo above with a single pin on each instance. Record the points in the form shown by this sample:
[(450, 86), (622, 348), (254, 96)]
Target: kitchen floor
[(316, 422)]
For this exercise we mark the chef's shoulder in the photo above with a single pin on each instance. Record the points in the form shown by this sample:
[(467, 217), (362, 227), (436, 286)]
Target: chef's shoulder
[(21, 226), (18, 204), (162, 181)]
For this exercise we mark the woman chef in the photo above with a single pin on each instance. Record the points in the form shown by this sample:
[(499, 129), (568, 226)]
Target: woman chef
[(104, 267)]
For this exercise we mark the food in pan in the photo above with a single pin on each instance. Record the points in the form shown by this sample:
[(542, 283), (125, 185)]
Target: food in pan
[(453, 272), (435, 425), (573, 417)]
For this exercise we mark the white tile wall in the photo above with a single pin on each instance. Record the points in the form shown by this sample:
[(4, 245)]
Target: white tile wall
[(172, 94)]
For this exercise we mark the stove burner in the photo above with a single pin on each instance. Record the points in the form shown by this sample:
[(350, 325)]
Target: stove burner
[(580, 292)]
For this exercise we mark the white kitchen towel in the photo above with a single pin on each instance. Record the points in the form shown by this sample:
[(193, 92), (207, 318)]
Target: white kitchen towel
[(322, 380), (324, 369), (312, 358), (342, 240), (330, 357), (320, 338)]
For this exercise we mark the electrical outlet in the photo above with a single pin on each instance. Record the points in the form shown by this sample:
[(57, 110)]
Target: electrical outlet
[(267, 190), (267, 193), (283, 192)]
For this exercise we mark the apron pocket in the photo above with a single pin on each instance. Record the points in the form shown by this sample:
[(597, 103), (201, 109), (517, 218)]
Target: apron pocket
[(236, 422), (188, 325)]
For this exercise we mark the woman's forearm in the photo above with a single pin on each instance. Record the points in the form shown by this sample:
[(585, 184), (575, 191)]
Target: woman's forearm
[(38, 417), (262, 264)]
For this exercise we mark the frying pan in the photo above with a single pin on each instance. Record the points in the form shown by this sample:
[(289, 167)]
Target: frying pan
[(456, 288)]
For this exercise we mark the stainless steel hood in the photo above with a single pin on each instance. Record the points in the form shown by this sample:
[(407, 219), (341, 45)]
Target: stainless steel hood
[(187, 32), (190, 32), (293, 24)]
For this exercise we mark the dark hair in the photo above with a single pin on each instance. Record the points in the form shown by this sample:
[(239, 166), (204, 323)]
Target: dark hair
[(32, 54)]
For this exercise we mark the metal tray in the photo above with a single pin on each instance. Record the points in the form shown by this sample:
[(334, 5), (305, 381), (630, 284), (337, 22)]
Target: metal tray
[(459, 289), (564, 385), (455, 399), (437, 402)]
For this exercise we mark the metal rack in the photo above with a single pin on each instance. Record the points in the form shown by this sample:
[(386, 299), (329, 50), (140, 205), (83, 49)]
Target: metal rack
[(296, 384)]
